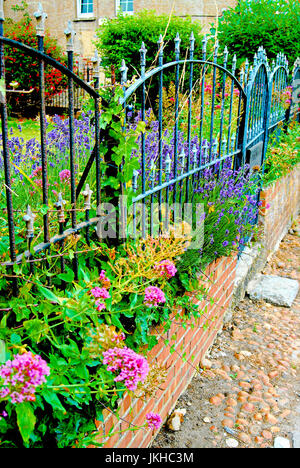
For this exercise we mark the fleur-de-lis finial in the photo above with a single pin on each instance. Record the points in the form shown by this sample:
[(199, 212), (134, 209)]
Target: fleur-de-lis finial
[(194, 151), (29, 219), (70, 33), (192, 42), (204, 45), (234, 59), (87, 194), (152, 172), (123, 70), (134, 180), (168, 162), (177, 46), (160, 49), (143, 52), (60, 208), (41, 17), (224, 144), (182, 160), (225, 55)]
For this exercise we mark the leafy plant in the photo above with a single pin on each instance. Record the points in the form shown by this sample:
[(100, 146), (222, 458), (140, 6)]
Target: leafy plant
[(251, 24), (283, 153)]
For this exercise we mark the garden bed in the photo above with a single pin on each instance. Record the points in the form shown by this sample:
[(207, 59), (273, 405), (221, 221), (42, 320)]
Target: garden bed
[(180, 350)]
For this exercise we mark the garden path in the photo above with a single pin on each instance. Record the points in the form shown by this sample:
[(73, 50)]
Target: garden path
[(248, 395)]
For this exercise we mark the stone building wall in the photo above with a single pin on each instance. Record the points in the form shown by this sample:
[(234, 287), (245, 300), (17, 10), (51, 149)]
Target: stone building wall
[(61, 11)]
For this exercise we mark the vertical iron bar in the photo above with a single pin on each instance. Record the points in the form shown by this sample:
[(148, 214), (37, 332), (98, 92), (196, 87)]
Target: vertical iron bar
[(41, 17), (177, 52), (213, 99), (96, 78), (190, 103), (160, 126), (223, 98), (7, 175), (143, 52), (70, 33), (231, 103)]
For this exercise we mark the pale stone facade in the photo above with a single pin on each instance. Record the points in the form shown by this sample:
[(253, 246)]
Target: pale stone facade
[(61, 11)]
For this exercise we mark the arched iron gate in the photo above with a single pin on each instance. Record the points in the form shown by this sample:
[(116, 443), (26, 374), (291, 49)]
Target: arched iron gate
[(209, 101), (197, 113), (51, 236)]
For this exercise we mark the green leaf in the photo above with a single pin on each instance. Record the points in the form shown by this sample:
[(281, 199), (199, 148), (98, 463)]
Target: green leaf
[(53, 400), (26, 420), (2, 351), (68, 277), (49, 295), (36, 329)]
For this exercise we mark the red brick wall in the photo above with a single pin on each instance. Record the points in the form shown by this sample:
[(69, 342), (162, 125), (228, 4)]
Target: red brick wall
[(283, 198), (192, 342)]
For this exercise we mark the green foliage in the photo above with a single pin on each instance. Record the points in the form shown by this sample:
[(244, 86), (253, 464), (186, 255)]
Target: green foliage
[(24, 69), (283, 153), (272, 24), (121, 38)]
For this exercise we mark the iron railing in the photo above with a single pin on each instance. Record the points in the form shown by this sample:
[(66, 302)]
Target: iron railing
[(226, 114)]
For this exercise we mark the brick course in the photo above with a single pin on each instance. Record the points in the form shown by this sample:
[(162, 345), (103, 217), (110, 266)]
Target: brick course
[(283, 198), (190, 347)]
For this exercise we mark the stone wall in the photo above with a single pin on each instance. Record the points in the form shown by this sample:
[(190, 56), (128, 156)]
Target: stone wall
[(61, 11)]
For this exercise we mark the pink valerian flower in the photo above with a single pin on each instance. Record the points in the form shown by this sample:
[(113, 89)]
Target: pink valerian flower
[(133, 367), (21, 376), (65, 175), (165, 268), (118, 338), (104, 280), (36, 172), (100, 293), (154, 296), (153, 420), (3, 415)]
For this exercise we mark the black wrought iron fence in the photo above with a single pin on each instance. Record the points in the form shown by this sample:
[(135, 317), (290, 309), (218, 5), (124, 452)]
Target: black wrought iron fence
[(208, 114)]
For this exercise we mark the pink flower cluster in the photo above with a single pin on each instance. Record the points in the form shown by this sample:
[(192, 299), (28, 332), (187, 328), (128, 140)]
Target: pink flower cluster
[(165, 268), (21, 375), (133, 367), (154, 296), (100, 293), (153, 420), (65, 175)]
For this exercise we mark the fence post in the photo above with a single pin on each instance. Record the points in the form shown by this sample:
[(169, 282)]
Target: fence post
[(70, 33), (6, 159)]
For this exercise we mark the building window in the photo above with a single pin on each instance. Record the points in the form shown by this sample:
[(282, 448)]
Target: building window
[(85, 8), (124, 6)]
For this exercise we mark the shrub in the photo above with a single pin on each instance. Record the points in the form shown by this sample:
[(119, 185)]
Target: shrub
[(273, 25), (24, 69), (283, 153), (121, 38)]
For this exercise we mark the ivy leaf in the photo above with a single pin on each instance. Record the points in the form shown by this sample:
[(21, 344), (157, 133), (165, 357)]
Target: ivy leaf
[(26, 420)]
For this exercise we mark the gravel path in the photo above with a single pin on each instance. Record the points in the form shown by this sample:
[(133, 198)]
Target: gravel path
[(248, 393)]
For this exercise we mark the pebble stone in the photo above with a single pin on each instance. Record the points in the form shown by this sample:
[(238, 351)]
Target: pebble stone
[(281, 442), (232, 443)]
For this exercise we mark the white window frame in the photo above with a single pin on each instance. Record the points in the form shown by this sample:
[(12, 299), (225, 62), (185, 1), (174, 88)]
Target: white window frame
[(84, 15), (118, 9)]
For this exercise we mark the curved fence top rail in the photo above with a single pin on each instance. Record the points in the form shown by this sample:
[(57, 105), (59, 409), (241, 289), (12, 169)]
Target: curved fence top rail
[(50, 61), (129, 91)]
